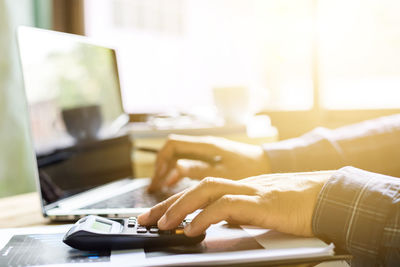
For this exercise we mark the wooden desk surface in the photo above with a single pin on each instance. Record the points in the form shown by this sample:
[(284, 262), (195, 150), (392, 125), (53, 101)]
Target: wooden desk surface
[(21, 211)]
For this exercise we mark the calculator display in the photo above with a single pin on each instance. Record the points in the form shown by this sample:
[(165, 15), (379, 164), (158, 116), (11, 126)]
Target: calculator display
[(101, 226)]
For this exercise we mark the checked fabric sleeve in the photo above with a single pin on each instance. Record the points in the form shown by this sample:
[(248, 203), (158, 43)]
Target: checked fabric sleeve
[(372, 145), (360, 212), (366, 202)]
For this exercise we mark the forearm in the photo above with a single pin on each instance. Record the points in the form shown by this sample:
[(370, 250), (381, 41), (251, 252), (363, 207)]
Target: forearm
[(359, 211), (372, 145)]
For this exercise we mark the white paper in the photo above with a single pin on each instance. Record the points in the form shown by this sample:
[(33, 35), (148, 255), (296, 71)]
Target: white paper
[(271, 239), (272, 246)]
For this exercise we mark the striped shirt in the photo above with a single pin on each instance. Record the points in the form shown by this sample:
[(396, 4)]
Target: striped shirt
[(358, 210)]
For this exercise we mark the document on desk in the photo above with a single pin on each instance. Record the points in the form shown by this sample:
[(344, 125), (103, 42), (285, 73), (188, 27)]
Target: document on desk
[(224, 245)]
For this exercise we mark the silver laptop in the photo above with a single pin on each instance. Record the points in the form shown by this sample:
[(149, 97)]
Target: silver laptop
[(73, 93)]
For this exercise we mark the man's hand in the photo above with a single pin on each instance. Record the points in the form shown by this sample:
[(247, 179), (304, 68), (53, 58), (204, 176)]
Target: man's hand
[(284, 202), (235, 160)]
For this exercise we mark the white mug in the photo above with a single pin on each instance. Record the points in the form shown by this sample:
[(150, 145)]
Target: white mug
[(232, 103)]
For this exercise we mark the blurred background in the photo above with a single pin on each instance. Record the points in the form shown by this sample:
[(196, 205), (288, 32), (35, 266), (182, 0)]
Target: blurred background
[(304, 63)]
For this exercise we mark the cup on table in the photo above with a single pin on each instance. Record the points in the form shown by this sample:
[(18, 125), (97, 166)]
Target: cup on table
[(232, 103)]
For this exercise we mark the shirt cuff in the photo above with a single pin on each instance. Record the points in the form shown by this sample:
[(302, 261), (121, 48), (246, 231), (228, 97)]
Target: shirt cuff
[(313, 151), (352, 209)]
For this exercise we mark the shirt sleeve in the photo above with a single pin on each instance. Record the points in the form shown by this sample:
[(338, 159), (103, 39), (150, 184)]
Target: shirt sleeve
[(372, 145), (360, 212)]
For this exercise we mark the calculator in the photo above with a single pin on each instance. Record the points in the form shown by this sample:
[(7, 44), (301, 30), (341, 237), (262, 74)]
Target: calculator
[(99, 233)]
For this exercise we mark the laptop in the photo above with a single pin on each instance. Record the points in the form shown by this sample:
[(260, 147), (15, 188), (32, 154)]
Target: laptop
[(73, 94)]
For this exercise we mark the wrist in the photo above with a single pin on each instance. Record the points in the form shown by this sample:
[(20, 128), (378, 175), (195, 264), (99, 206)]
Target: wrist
[(312, 184)]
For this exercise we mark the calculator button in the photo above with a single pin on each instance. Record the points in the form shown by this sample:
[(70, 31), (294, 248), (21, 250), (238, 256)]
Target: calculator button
[(131, 225), (179, 231), (141, 230), (154, 230)]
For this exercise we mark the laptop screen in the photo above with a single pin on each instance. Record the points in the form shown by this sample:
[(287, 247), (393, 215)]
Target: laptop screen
[(73, 94), (63, 72)]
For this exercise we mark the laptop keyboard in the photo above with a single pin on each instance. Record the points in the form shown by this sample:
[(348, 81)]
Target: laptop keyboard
[(139, 197)]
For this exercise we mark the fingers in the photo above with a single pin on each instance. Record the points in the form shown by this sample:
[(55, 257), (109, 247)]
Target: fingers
[(209, 190), (151, 216), (238, 208), (175, 147), (194, 169), (183, 144)]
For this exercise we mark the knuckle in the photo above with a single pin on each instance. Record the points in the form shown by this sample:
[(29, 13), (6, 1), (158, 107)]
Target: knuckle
[(163, 204), (168, 145), (153, 212), (227, 200), (170, 142), (224, 205), (208, 182), (169, 213), (159, 207)]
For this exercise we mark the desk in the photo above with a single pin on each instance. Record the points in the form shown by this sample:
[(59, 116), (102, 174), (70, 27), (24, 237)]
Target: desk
[(24, 211), (21, 211)]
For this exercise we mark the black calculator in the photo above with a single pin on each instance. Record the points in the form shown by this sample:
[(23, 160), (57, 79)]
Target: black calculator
[(98, 233)]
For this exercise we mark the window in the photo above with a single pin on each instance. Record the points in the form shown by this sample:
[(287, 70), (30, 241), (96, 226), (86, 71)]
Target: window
[(173, 53), (148, 16), (359, 53)]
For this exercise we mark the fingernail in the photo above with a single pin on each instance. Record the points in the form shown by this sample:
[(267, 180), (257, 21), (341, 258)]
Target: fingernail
[(187, 229)]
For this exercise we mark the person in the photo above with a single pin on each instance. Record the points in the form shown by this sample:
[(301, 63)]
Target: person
[(338, 185)]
